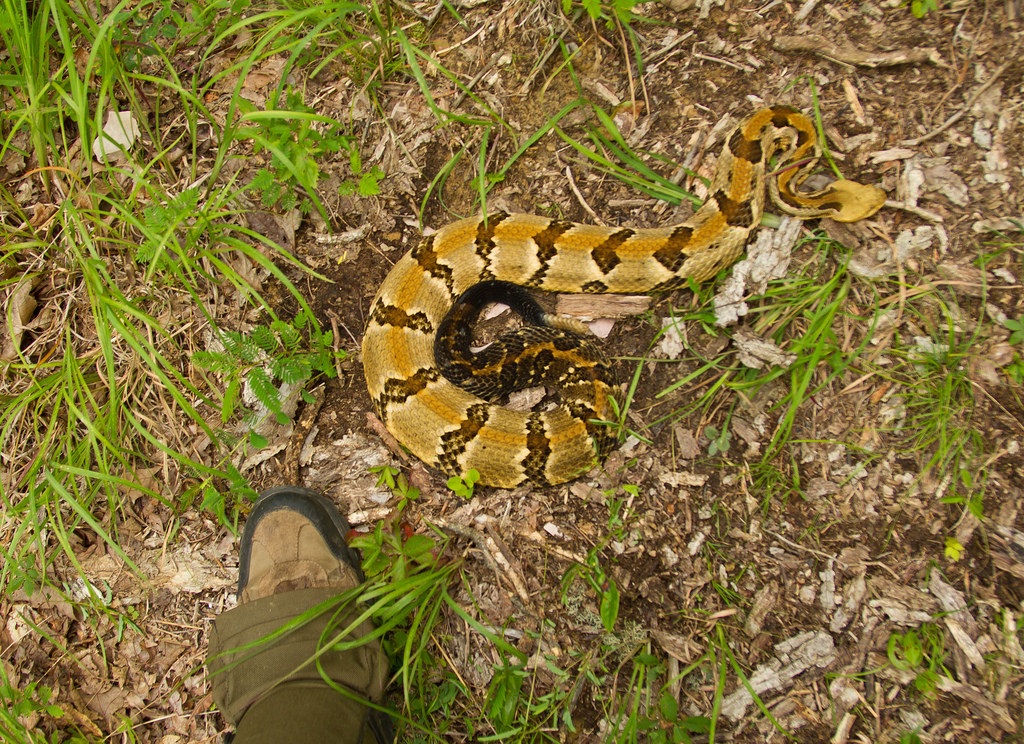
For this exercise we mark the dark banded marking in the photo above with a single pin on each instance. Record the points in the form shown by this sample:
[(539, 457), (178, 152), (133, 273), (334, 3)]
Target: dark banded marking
[(673, 253), (389, 315), (737, 212), (455, 441), (746, 149), (427, 258), (485, 233), (606, 255), (484, 242), (547, 242), (398, 391), (538, 449)]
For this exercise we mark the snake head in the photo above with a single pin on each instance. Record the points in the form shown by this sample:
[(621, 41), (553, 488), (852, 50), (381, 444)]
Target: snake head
[(854, 201)]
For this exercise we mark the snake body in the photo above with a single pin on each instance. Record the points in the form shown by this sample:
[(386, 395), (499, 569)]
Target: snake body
[(425, 384)]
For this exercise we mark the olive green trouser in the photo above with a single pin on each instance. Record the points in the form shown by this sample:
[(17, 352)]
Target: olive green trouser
[(273, 691)]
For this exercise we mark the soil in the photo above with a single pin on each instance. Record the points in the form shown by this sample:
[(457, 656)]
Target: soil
[(847, 547)]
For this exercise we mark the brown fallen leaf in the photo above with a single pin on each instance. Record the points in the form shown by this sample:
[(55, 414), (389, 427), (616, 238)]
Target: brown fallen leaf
[(21, 306)]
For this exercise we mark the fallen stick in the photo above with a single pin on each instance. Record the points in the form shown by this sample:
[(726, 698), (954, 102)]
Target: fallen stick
[(851, 56)]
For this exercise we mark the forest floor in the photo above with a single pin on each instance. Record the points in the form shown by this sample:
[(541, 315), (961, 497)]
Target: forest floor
[(841, 532)]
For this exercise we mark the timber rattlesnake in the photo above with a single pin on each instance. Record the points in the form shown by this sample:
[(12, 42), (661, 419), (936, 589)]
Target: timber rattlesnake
[(435, 290)]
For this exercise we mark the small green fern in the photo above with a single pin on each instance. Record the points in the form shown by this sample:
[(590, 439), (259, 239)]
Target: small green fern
[(168, 226), (267, 357)]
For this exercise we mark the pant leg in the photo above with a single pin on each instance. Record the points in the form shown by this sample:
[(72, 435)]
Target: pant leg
[(270, 687)]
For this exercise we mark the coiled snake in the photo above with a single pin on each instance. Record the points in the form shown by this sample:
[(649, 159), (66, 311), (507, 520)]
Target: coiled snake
[(426, 385)]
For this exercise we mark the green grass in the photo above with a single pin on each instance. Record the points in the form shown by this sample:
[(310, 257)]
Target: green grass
[(126, 245), (524, 686), (810, 315), (124, 267)]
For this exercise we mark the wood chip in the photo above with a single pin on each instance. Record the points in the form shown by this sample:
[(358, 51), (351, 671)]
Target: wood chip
[(795, 656), (589, 307), (764, 602), (972, 695)]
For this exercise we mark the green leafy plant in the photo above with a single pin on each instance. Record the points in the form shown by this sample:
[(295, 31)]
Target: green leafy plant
[(674, 728), (364, 182), (671, 727), (396, 551), (20, 705), (660, 720), (618, 509), (394, 480), (921, 8), (718, 441), (268, 356), (274, 192), (234, 490), (967, 489), (168, 228), (1015, 369), (593, 575), (24, 574), (504, 695), (296, 138), (464, 486), (607, 10), (922, 652), (1016, 328)]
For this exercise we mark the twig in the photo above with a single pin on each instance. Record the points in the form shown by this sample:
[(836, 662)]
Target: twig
[(851, 56), (966, 107), (378, 428), (667, 49), (493, 554), (913, 209), (472, 83), (579, 197), (459, 44), (805, 10), (792, 544), (723, 61), (565, 555)]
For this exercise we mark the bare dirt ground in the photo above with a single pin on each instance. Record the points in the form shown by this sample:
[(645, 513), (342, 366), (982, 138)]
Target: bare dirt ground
[(811, 585)]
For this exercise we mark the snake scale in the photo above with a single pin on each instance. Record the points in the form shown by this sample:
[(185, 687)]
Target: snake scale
[(440, 400)]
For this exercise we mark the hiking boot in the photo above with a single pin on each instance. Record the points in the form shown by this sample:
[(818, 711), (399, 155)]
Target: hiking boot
[(267, 661), (295, 539)]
